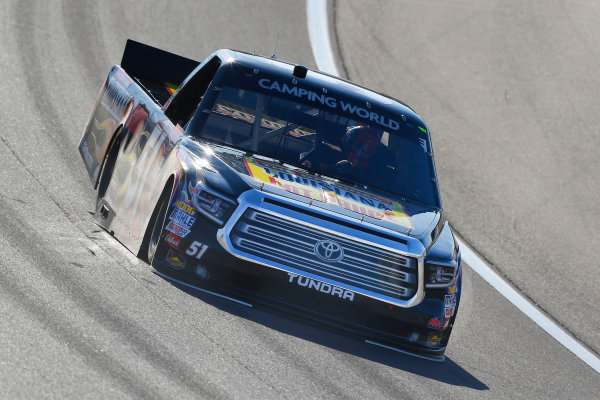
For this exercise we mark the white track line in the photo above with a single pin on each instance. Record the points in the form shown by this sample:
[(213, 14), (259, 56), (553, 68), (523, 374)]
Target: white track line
[(478, 265), (318, 32)]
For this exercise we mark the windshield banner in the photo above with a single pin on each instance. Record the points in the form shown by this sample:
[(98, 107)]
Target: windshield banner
[(310, 186), (331, 102)]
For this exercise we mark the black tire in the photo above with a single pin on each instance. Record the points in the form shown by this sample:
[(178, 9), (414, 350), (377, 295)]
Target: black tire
[(155, 227), (108, 167)]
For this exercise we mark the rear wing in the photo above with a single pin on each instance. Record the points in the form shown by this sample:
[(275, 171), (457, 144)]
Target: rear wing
[(157, 71)]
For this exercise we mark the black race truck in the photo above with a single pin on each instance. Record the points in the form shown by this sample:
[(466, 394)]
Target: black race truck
[(278, 187)]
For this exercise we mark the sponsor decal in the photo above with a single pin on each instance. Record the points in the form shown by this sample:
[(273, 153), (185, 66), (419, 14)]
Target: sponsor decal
[(446, 323), (185, 207), (434, 339), (321, 286), (174, 260), (450, 300), (346, 197), (172, 240), (196, 250), (182, 218), (177, 229), (331, 102), (452, 289), (436, 323), (450, 304)]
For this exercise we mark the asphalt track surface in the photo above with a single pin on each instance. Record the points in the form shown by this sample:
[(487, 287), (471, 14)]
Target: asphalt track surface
[(509, 90)]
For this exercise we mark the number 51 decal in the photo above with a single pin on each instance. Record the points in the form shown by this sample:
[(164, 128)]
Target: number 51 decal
[(196, 249)]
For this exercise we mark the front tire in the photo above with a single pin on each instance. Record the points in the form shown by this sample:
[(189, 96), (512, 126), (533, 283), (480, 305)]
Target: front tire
[(155, 227)]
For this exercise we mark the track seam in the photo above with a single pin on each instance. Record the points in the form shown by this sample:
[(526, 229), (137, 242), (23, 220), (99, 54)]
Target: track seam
[(60, 207)]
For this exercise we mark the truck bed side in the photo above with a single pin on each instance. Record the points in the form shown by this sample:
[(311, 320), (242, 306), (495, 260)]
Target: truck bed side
[(136, 89)]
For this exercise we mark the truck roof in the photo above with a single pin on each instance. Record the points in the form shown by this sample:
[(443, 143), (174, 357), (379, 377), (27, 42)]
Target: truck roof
[(278, 69)]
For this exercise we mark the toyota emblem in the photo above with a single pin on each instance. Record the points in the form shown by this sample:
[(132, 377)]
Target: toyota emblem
[(329, 250)]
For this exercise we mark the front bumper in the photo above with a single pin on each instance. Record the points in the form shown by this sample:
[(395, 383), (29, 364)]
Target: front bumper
[(203, 261)]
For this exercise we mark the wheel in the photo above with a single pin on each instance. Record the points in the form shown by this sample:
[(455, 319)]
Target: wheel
[(155, 227), (108, 167)]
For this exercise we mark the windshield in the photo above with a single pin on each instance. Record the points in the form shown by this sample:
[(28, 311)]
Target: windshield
[(325, 142)]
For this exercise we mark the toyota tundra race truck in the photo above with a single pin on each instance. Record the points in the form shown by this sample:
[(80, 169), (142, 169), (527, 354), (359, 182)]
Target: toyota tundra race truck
[(280, 187)]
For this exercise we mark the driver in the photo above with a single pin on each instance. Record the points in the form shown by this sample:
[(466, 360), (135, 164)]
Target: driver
[(368, 159), (363, 156), (360, 146)]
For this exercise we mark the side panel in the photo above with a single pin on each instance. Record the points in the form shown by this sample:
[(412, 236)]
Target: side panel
[(113, 104), (145, 162)]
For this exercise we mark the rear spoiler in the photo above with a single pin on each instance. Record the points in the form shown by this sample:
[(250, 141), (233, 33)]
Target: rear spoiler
[(143, 61)]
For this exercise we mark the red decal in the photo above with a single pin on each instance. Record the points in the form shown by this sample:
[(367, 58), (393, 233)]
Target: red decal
[(172, 240)]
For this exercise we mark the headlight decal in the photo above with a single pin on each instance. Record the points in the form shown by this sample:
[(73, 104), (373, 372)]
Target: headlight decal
[(440, 274), (212, 204)]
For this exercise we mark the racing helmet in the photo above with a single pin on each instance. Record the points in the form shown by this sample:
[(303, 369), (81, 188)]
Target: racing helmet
[(359, 144)]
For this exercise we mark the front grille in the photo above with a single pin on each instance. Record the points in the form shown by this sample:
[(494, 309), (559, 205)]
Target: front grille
[(362, 266)]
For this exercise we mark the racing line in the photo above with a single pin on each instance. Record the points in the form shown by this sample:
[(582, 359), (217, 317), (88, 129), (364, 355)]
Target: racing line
[(318, 29)]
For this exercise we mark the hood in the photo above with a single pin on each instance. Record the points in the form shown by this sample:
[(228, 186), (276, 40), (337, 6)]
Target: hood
[(232, 172)]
